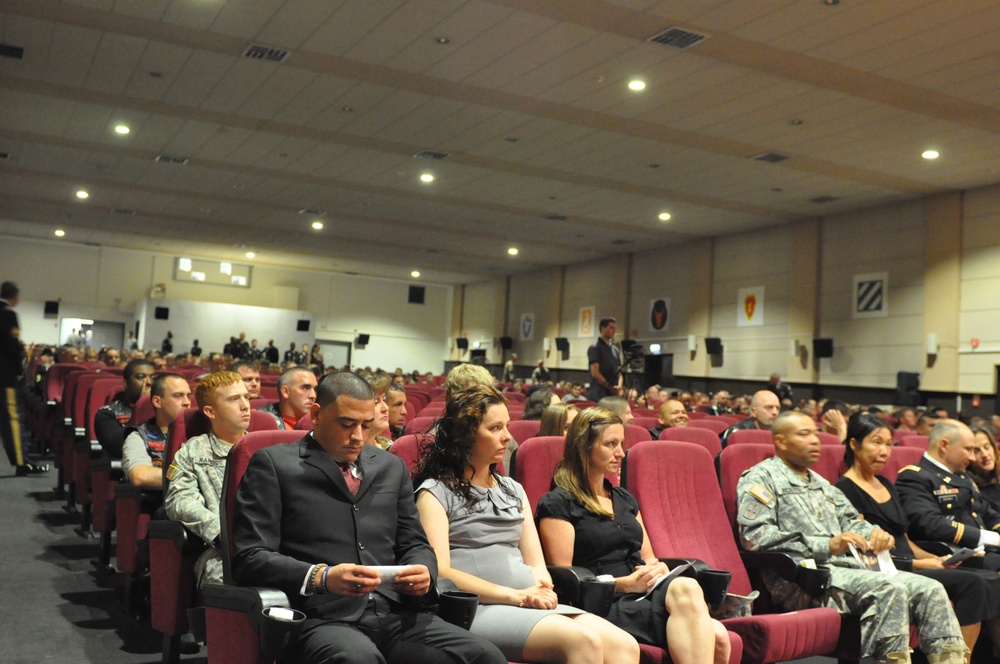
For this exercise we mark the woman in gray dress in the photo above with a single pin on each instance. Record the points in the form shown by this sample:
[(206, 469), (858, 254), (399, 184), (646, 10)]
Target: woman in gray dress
[(481, 528)]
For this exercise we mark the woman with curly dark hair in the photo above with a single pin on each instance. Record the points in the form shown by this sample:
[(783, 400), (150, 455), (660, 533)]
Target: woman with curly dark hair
[(481, 528), (985, 470)]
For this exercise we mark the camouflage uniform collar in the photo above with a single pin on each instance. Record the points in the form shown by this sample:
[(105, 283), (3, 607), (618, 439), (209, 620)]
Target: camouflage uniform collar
[(792, 476), (220, 448)]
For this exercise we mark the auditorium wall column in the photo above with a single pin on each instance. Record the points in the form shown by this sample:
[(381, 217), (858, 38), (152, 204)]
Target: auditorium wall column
[(457, 322), (700, 317), (943, 289), (803, 305)]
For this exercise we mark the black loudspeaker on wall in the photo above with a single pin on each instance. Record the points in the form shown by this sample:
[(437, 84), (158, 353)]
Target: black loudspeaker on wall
[(302, 325), (51, 308), (416, 295), (362, 340), (907, 388), (162, 313), (562, 344), (506, 343), (713, 345), (822, 347), (462, 343)]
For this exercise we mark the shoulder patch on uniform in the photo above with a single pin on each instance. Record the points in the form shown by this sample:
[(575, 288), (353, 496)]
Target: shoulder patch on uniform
[(915, 469), (760, 492), (171, 471), (751, 511)]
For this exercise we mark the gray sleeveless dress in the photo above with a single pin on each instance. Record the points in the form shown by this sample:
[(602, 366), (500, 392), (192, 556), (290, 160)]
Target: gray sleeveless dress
[(484, 543)]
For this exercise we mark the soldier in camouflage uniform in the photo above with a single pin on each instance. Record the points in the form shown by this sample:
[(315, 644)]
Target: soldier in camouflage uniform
[(783, 506), (196, 473)]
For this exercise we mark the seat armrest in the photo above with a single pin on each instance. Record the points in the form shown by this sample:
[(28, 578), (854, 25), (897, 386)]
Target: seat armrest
[(567, 581), (247, 599), (183, 539), (903, 564), (781, 563)]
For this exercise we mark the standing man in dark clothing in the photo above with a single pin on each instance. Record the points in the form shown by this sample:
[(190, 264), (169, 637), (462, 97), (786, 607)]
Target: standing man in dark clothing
[(110, 420), (271, 352), (242, 348), (605, 360), (782, 390), (195, 349), (167, 346), (11, 368)]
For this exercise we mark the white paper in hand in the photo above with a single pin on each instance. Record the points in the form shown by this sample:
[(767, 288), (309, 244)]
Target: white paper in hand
[(388, 573)]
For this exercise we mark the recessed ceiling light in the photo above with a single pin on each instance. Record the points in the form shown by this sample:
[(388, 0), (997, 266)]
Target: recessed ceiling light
[(59, 232), (317, 225), (930, 154), (512, 251), (426, 177), (251, 254), (82, 194), (415, 274), (443, 40), (635, 85), (664, 216), (347, 109), (122, 129), (795, 122)]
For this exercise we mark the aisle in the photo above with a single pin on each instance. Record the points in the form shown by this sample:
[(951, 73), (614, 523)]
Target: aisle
[(53, 605)]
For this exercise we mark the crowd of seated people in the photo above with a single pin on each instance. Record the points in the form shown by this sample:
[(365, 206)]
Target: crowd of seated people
[(471, 525)]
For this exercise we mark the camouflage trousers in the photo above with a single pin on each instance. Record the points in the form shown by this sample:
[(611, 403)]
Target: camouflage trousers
[(208, 567), (886, 605)]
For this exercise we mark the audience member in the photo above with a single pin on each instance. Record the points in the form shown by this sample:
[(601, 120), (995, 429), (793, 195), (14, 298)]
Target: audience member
[(906, 420), (379, 382), (557, 418), (508, 368), (256, 354), (719, 404), (145, 444), (466, 375), (985, 470), (671, 413), (481, 528), (396, 400), (575, 393), (781, 390), (363, 497), (833, 418), (540, 374), (251, 377), (537, 403), (296, 394), (195, 349), (975, 593), (588, 522), (167, 346), (196, 474), (110, 419), (942, 501), (786, 507), (605, 361), (764, 408), (619, 406)]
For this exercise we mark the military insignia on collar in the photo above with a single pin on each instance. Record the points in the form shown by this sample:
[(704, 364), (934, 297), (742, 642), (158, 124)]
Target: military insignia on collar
[(171, 471), (760, 492)]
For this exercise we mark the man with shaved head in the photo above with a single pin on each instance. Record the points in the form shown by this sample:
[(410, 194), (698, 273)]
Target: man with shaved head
[(672, 413), (785, 507), (941, 500), (764, 408)]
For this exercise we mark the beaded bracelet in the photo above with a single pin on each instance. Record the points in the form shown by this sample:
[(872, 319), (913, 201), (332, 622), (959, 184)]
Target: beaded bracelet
[(311, 584)]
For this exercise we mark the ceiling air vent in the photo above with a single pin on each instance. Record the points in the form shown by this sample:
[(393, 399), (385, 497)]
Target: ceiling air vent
[(823, 199), (556, 217), (167, 159), (770, 157), (122, 211), (621, 242), (678, 38), (4, 155), (312, 212), (8, 51), (430, 154), (261, 52)]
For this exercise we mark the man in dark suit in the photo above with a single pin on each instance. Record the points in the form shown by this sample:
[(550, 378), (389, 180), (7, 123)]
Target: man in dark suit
[(316, 518)]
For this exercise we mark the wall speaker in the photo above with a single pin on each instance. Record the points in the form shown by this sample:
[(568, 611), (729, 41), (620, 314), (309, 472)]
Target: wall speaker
[(713, 345), (462, 343), (823, 347), (562, 344), (416, 295), (907, 389), (362, 340), (51, 308), (478, 356), (162, 313), (506, 343), (302, 325)]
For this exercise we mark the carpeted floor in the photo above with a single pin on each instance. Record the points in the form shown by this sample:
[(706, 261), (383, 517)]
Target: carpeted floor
[(54, 605)]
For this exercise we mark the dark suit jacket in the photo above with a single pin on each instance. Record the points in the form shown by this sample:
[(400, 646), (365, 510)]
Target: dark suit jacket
[(293, 510)]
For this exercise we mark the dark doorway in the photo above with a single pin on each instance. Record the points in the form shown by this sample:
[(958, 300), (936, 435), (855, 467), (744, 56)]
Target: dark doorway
[(658, 370)]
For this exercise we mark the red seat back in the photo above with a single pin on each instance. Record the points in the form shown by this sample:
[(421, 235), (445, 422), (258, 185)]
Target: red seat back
[(646, 421), (69, 391), (752, 436), (269, 391), (80, 394), (524, 429), (696, 435), (712, 424), (829, 439), (635, 434), (55, 380), (236, 466), (143, 410), (410, 448), (536, 464), (900, 458), (917, 441), (431, 411), (515, 397), (101, 392), (899, 434), (831, 463), (305, 423), (682, 506), (420, 424)]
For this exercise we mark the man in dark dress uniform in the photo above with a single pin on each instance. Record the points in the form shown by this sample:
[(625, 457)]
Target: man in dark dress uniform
[(11, 368)]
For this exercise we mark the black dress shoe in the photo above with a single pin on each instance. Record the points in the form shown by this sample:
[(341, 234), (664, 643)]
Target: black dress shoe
[(32, 469)]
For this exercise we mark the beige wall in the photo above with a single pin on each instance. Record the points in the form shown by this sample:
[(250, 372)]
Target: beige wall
[(980, 292)]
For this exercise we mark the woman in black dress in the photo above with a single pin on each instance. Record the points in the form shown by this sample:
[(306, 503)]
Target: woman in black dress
[(985, 470), (975, 593), (588, 522)]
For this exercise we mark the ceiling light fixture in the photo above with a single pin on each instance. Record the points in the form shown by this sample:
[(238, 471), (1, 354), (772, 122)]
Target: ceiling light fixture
[(122, 129), (443, 40), (930, 154), (82, 194), (512, 251), (426, 177), (415, 274), (251, 254), (317, 225), (664, 216), (635, 85), (59, 232)]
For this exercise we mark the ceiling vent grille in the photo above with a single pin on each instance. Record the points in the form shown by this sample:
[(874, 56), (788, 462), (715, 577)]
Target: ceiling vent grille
[(312, 212), (261, 52), (8, 51), (168, 159), (823, 199), (556, 217), (4, 155), (430, 154), (769, 157), (678, 38)]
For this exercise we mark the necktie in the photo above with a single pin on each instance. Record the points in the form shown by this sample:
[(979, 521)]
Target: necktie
[(353, 483)]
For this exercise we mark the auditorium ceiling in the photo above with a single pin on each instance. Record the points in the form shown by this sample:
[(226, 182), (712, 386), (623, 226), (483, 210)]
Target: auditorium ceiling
[(251, 120)]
